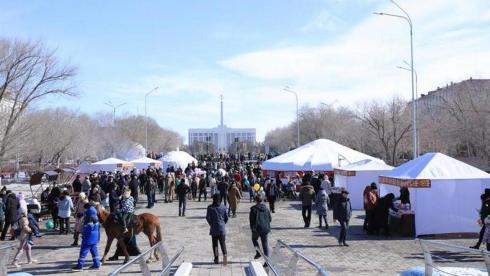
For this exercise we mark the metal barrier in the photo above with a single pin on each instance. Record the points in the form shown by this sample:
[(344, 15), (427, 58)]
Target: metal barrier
[(429, 264), (4, 258), (145, 270), (166, 269), (293, 262), (269, 262)]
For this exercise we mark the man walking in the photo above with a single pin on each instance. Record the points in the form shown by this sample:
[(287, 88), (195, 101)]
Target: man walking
[(182, 191), (260, 224), (343, 211), (307, 196), (217, 218), (271, 191)]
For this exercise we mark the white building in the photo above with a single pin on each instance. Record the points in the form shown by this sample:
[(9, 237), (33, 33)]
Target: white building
[(222, 136)]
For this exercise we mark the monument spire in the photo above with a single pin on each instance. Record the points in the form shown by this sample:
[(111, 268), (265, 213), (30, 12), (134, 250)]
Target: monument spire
[(221, 97)]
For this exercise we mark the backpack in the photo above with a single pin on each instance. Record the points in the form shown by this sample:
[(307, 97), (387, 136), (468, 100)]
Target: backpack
[(262, 223)]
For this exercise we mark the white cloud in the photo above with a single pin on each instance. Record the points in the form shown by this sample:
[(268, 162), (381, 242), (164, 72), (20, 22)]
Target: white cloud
[(362, 63), (323, 21)]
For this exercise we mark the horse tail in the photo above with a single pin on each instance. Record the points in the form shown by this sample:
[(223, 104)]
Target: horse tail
[(159, 233)]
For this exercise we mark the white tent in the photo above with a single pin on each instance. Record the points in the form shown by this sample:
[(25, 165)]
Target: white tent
[(111, 164), (318, 155), (356, 176), (444, 192), (178, 159), (145, 162), (84, 168)]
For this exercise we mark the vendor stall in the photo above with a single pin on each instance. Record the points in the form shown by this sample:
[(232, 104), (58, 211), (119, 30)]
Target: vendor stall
[(444, 193), (145, 162), (356, 176), (111, 164), (177, 159), (320, 155)]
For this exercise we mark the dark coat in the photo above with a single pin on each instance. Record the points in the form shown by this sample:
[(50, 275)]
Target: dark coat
[(133, 186), (182, 190), (307, 195), (77, 185), (343, 210), (260, 219), (11, 208), (382, 210), (223, 187), (217, 217)]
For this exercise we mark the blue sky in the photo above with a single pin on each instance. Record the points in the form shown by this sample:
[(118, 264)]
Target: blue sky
[(326, 50)]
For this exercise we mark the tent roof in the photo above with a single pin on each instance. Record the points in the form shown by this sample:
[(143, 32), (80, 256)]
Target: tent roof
[(367, 165), (110, 161), (436, 166), (145, 160), (180, 157), (318, 155)]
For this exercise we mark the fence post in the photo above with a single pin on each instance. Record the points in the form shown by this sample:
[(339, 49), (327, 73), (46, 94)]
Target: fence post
[(486, 257), (163, 255), (145, 270), (427, 258), (276, 253), (292, 265)]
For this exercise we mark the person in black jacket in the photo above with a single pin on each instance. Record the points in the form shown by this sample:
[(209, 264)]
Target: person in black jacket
[(77, 185), (223, 187), (182, 190), (382, 212), (344, 211), (260, 224), (11, 207), (133, 186), (217, 218), (484, 212)]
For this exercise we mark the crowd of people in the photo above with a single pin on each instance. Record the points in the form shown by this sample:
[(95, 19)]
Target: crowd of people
[(226, 179)]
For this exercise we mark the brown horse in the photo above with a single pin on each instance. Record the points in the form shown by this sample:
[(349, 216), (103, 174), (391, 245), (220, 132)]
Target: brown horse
[(146, 223), (169, 187)]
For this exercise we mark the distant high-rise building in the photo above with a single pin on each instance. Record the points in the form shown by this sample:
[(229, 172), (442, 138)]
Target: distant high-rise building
[(221, 137)]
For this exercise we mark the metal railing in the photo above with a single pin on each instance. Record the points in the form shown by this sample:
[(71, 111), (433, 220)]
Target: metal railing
[(145, 270), (429, 263), (166, 269), (4, 258), (293, 262), (269, 262)]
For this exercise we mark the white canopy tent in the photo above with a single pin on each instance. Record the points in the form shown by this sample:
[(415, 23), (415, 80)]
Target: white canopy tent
[(318, 155), (145, 162), (444, 192), (356, 176), (111, 164), (178, 159), (84, 168)]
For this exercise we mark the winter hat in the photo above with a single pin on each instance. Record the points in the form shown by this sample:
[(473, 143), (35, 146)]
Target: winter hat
[(82, 195), (373, 186)]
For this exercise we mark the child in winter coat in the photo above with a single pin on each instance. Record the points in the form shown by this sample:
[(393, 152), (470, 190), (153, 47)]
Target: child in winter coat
[(90, 239), (23, 236), (321, 204), (127, 208)]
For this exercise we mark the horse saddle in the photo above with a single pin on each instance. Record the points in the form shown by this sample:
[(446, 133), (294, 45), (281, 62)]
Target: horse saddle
[(131, 220)]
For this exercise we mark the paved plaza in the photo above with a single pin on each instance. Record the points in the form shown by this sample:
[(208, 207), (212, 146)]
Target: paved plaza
[(365, 256)]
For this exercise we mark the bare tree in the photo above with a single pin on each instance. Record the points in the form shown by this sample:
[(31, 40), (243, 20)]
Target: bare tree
[(389, 123), (28, 73)]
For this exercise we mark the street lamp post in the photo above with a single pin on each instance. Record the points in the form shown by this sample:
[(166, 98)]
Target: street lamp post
[(114, 108), (417, 94), (287, 89), (407, 18), (146, 119)]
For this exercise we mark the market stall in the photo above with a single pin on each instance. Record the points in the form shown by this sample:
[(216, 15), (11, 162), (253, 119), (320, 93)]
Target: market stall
[(356, 176), (444, 193), (145, 162), (110, 165), (177, 159), (320, 155)]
